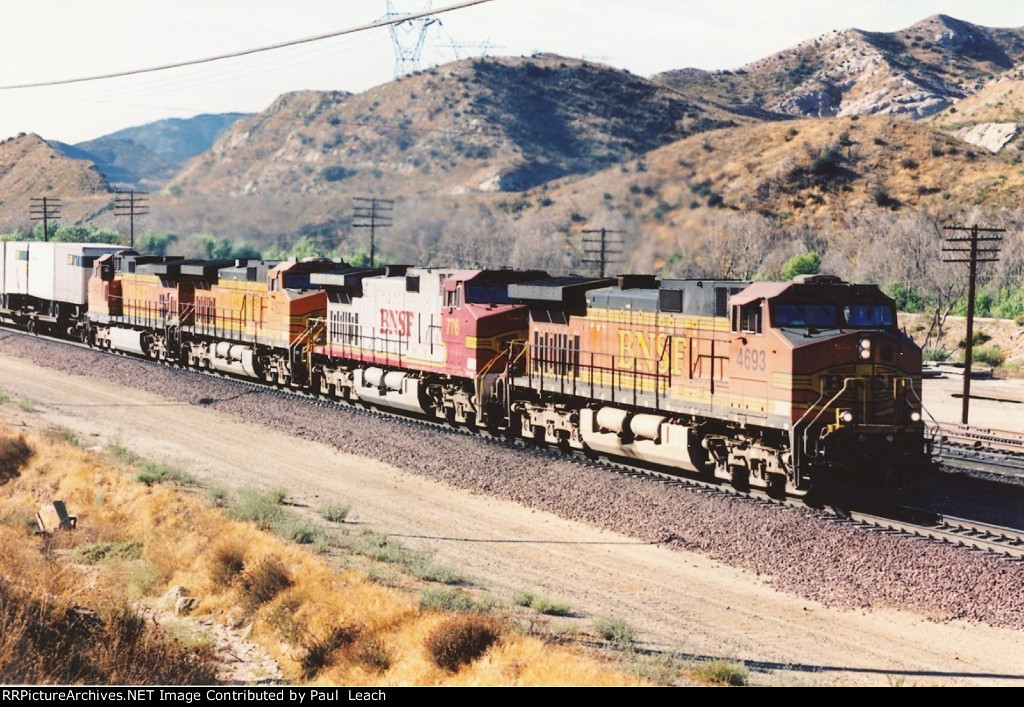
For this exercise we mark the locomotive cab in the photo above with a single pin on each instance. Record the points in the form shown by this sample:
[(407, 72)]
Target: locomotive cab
[(853, 381)]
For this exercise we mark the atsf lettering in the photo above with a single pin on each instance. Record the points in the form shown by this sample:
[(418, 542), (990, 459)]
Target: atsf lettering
[(395, 322)]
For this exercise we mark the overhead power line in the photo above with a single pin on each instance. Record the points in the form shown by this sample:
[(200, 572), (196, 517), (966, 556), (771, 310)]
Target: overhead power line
[(384, 22)]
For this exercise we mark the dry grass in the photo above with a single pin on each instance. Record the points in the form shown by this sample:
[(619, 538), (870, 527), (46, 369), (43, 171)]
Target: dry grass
[(136, 541)]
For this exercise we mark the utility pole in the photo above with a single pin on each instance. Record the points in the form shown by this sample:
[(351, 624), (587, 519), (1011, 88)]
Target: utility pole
[(600, 248), (45, 209), (977, 248), (373, 213), (131, 203)]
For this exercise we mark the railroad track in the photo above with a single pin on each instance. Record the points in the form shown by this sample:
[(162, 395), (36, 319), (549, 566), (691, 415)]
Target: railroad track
[(962, 532), (984, 537), (981, 448)]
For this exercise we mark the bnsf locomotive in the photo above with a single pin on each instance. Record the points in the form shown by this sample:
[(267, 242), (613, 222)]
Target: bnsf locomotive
[(775, 384)]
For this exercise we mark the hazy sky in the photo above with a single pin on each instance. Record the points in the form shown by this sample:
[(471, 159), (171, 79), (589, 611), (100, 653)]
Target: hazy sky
[(47, 40)]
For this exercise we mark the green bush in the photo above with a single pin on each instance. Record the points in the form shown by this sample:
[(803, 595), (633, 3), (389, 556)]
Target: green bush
[(977, 338), (445, 599), (335, 512), (157, 473), (615, 630), (335, 173), (94, 553), (542, 604), (801, 264), (263, 509), (989, 355), (721, 672)]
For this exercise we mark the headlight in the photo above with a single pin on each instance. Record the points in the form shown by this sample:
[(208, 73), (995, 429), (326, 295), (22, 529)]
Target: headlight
[(864, 349), (846, 416), (915, 416)]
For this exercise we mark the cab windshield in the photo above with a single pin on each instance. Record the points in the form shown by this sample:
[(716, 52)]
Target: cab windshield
[(831, 316), (490, 293)]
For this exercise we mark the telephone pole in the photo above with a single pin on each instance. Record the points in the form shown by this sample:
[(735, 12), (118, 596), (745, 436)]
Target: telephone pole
[(45, 209), (373, 213), (971, 249), (131, 204), (600, 248)]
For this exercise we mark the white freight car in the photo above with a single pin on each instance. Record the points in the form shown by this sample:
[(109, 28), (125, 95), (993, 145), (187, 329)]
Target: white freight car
[(50, 279)]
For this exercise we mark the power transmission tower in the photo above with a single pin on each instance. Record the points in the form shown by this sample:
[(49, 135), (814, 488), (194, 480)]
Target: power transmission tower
[(408, 37), (599, 247), (131, 204), (373, 213), (45, 209), (483, 48), (978, 249)]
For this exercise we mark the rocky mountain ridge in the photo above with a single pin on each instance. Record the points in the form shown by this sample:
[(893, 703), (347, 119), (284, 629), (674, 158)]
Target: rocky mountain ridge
[(534, 150)]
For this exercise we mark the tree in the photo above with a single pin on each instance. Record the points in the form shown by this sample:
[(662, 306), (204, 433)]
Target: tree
[(801, 264)]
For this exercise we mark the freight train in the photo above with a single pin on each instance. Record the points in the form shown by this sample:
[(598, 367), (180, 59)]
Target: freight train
[(781, 385)]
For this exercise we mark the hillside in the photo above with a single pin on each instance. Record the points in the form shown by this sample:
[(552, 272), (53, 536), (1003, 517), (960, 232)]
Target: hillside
[(914, 72), (30, 168), (147, 156), (512, 160), (474, 125)]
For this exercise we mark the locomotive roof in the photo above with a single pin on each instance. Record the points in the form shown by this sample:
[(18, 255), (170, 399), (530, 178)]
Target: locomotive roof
[(349, 277), (205, 269), (811, 290), (556, 289), (696, 297)]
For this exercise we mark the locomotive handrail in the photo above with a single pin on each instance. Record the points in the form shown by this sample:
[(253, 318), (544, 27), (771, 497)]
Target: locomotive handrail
[(584, 374), (825, 407), (935, 429)]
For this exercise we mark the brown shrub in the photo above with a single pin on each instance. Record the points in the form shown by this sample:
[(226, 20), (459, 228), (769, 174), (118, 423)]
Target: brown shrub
[(47, 643), (14, 454), (226, 563), (266, 581), (460, 640), (319, 652), (372, 654)]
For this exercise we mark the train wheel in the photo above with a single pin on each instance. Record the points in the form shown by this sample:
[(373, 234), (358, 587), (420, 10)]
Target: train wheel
[(740, 477), (539, 436), (777, 486)]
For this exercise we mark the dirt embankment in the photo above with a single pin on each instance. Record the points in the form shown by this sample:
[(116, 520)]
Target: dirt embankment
[(803, 600)]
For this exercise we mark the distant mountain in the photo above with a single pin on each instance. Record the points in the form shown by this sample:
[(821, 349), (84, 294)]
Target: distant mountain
[(31, 168), (505, 160), (471, 126), (914, 72), (148, 156)]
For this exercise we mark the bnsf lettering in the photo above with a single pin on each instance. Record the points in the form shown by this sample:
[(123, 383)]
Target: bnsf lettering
[(651, 352), (397, 323)]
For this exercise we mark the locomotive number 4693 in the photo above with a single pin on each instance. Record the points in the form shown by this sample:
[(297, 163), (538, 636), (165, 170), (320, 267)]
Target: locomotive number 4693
[(752, 359)]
